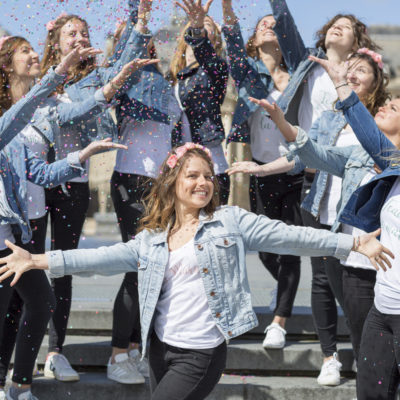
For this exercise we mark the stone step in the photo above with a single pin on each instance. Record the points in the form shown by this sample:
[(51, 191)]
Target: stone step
[(301, 322), (243, 355), (95, 386)]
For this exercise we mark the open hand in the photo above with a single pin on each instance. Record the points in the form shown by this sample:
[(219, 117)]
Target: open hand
[(195, 11), (371, 247), (18, 262), (245, 167), (273, 110), (97, 146), (336, 71)]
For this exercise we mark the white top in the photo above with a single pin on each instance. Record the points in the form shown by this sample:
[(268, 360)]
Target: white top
[(149, 143), (69, 140), (35, 193), (266, 140), (334, 183), (357, 260), (387, 287), (5, 229), (183, 317), (319, 95)]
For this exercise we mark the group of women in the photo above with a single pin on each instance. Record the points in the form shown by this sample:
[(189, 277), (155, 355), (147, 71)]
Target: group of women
[(324, 146)]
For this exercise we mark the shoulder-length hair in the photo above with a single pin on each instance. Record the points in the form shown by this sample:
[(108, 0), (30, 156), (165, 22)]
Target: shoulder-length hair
[(378, 94), (52, 55), (362, 39), (7, 52), (178, 62), (160, 203)]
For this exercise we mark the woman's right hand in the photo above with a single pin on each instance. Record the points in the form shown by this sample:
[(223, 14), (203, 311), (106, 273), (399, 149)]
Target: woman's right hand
[(336, 71), (273, 110), (245, 167), (195, 11), (74, 57), (111, 88)]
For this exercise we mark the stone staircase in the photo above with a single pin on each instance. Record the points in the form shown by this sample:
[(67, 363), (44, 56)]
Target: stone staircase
[(252, 372)]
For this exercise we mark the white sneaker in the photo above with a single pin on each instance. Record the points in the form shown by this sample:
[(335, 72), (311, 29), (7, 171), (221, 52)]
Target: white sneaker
[(274, 296), (330, 372), (2, 395), (123, 371), (142, 365), (23, 396), (57, 366), (275, 337)]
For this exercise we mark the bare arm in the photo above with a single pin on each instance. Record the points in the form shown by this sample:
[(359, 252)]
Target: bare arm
[(279, 166)]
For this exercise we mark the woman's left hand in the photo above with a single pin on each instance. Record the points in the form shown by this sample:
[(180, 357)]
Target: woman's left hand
[(99, 145), (371, 247), (195, 11)]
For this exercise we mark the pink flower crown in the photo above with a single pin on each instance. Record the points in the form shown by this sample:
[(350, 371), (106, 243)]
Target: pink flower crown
[(375, 56), (50, 25), (3, 40), (181, 150)]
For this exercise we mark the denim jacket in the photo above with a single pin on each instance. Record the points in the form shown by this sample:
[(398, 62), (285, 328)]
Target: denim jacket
[(252, 78), (325, 132), (350, 163), (18, 163), (364, 207), (221, 243)]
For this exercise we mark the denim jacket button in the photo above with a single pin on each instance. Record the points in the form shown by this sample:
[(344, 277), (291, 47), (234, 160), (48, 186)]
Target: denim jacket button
[(217, 314), (226, 242), (138, 264), (230, 333), (212, 294), (200, 247), (205, 270)]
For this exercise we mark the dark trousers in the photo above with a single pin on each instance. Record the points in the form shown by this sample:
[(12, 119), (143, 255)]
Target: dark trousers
[(127, 193), (378, 374), (184, 374), (358, 292), (38, 299), (278, 197), (326, 286), (224, 188), (67, 214)]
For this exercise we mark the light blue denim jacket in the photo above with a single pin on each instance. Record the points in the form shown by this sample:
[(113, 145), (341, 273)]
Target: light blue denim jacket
[(325, 132), (18, 163), (252, 78), (221, 243), (350, 163), (364, 207)]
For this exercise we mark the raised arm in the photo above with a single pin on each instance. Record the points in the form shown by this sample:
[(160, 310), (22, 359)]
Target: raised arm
[(376, 144), (289, 38), (279, 166)]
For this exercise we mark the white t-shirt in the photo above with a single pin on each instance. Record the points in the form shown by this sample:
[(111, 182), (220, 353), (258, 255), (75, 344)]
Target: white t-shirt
[(149, 143), (183, 317), (387, 287), (35, 193), (5, 229), (319, 95), (69, 140), (334, 183), (266, 140), (357, 260)]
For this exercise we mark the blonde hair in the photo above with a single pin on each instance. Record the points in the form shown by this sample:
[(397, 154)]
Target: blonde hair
[(52, 56), (6, 58), (160, 203), (178, 62)]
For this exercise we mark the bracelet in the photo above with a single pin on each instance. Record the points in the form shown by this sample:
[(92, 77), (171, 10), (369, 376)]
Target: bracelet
[(357, 243), (341, 85)]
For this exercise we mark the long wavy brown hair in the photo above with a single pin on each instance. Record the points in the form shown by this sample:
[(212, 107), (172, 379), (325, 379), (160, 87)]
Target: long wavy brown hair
[(362, 39), (52, 55), (178, 62), (6, 58), (378, 94), (160, 203)]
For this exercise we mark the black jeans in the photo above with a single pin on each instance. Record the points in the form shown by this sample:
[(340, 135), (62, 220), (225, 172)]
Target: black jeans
[(67, 215), (127, 193), (358, 292), (378, 374), (224, 188), (184, 374), (39, 303), (325, 287), (278, 197)]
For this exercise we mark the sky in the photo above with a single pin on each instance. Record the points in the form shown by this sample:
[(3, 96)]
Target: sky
[(28, 18)]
